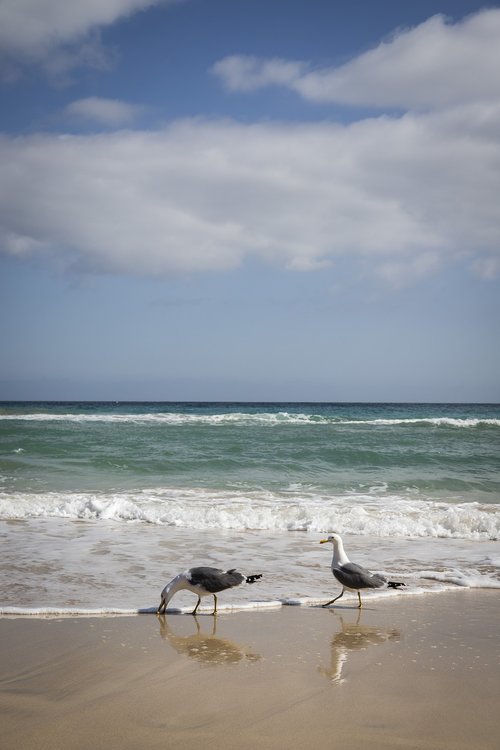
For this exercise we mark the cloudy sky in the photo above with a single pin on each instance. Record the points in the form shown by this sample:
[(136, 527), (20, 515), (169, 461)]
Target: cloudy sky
[(250, 200)]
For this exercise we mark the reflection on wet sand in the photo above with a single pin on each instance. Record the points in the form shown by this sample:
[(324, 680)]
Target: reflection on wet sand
[(206, 648), (354, 637)]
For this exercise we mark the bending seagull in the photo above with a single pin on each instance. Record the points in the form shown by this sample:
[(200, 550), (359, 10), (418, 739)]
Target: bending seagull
[(203, 581), (353, 577)]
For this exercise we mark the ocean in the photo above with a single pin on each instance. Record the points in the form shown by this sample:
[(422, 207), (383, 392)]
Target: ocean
[(102, 503)]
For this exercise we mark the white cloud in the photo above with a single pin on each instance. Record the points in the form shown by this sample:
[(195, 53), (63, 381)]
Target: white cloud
[(247, 73), (434, 65), (108, 112), (403, 196), (488, 267), (59, 33)]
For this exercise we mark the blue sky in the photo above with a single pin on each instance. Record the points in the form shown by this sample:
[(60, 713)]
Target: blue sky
[(234, 200)]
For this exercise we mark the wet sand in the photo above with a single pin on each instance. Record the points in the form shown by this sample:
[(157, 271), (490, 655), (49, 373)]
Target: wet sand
[(410, 672)]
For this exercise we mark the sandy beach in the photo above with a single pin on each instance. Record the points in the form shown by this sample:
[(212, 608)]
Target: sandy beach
[(416, 672)]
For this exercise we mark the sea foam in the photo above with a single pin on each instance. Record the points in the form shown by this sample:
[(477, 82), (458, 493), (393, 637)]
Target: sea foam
[(245, 419), (354, 513), (207, 608)]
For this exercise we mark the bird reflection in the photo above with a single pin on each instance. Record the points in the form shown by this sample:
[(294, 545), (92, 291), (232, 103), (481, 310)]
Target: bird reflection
[(354, 637), (205, 648)]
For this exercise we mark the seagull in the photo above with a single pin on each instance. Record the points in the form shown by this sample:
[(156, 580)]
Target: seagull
[(353, 577), (203, 581)]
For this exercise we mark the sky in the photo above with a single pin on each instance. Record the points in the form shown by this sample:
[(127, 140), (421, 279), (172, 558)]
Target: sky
[(250, 200)]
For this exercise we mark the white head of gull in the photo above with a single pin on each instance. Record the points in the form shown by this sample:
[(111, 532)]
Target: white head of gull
[(203, 581), (353, 577)]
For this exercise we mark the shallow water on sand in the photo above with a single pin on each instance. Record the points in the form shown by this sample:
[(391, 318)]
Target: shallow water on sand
[(102, 503)]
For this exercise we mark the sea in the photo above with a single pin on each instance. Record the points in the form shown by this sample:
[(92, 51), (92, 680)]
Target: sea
[(102, 503)]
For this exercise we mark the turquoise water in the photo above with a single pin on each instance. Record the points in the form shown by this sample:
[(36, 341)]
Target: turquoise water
[(438, 450), (194, 472)]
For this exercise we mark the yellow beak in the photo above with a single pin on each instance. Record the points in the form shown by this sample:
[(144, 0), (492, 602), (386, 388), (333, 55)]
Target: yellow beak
[(323, 541)]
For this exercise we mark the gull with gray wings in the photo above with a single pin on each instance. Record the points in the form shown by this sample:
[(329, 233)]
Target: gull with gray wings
[(353, 577), (203, 581)]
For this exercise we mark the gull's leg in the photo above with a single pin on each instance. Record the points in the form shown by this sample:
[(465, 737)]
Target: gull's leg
[(215, 605), (197, 605), (359, 597), (333, 600)]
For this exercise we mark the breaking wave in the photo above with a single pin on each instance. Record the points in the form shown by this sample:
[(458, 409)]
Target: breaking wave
[(382, 516), (246, 419)]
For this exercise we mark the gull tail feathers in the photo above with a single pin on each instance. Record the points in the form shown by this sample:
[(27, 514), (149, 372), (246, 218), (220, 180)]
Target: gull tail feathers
[(252, 579)]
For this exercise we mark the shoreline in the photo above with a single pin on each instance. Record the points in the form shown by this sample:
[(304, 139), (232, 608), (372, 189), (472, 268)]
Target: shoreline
[(130, 564), (371, 599), (409, 672)]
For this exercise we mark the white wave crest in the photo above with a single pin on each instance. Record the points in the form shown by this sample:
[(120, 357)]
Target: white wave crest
[(245, 419), (434, 421), (380, 515), (466, 579)]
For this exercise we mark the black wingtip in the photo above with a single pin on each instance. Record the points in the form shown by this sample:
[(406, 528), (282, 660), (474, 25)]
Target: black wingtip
[(252, 579), (395, 584)]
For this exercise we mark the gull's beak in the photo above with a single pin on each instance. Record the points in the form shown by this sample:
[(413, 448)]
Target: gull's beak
[(323, 541)]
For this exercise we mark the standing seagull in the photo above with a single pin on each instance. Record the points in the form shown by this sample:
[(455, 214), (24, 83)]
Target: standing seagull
[(203, 581), (353, 577)]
